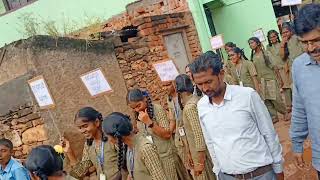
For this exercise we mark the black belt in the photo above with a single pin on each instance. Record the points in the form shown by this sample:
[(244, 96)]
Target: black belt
[(258, 172)]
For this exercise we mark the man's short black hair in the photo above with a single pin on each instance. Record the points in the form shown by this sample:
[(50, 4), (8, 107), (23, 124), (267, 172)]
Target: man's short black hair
[(308, 19), (7, 143), (206, 61)]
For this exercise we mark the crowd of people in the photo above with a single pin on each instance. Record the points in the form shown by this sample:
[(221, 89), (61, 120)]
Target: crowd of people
[(218, 124)]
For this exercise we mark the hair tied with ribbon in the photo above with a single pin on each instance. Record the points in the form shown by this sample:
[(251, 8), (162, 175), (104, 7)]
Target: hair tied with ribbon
[(145, 93)]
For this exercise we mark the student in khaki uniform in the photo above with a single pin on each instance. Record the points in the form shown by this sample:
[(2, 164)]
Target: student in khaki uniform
[(290, 48), (154, 125), (98, 153), (267, 79), (228, 78), (199, 156), (175, 113), (284, 77), (243, 70), (143, 161)]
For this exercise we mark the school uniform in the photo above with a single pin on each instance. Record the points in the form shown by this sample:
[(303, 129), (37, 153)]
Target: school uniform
[(284, 71), (105, 164), (194, 136), (144, 162), (164, 146), (177, 144), (269, 88), (244, 74)]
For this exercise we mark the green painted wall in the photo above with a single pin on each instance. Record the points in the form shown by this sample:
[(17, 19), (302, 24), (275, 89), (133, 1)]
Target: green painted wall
[(238, 21), (78, 12), (235, 19)]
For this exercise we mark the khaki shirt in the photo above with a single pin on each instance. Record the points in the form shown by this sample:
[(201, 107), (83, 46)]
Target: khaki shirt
[(263, 70), (195, 138), (295, 48), (147, 164), (282, 65), (90, 157), (246, 73)]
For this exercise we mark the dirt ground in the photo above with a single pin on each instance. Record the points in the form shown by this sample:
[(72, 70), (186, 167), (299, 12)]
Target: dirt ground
[(291, 171)]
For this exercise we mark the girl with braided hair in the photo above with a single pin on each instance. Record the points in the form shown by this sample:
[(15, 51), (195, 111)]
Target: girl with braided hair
[(242, 70), (153, 123), (98, 154), (142, 158), (191, 132), (267, 78), (44, 163), (284, 78)]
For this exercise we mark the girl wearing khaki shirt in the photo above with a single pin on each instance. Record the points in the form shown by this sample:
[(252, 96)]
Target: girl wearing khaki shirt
[(144, 162), (199, 157), (154, 125)]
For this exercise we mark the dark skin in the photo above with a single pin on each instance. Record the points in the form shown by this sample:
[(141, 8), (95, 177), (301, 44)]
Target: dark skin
[(90, 130), (141, 108), (5, 156), (198, 167), (214, 87), (286, 35), (169, 87), (311, 45)]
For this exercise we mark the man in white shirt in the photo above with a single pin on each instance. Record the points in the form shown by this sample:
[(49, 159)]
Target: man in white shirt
[(237, 126)]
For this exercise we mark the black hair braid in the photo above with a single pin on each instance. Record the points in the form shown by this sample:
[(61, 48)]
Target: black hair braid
[(243, 55), (120, 153), (180, 101), (251, 56), (41, 174), (286, 51), (150, 107)]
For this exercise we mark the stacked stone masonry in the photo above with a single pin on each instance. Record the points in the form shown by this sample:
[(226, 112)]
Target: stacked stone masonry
[(25, 128)]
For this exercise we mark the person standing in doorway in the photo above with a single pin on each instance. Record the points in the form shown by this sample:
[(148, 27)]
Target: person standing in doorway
[(267, 78), (237, 127), (306, 87), (10, 168)]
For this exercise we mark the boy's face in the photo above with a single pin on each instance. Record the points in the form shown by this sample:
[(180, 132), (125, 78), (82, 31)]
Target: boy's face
[(5, 154)]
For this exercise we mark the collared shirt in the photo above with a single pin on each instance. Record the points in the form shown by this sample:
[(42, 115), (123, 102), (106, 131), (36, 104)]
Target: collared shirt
[(306, 106), (239, 132), (14, 171)]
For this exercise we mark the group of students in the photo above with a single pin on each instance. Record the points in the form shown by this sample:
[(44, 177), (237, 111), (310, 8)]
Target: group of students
[(268, 70)]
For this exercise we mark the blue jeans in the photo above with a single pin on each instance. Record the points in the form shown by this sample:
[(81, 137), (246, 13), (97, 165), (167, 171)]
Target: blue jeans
[(267, 176)]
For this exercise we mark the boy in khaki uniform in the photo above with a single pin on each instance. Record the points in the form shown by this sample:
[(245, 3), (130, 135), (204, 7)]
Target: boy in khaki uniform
[(198, 154), (267, 78)]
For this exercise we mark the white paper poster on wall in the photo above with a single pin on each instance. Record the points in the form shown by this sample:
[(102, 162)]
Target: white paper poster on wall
[(41, 92), (166, 70), (290, 2), (259, 34), (95, 82), (217, 42)]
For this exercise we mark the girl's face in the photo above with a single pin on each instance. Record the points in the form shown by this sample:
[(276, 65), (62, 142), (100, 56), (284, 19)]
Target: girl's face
[(139, 105), (234, 57), (88, 128), (253, 45), (228, 49), (273, 38)]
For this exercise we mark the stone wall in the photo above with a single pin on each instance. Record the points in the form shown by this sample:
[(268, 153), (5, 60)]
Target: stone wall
[(137, 55), (25, 128), (61, 62)]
